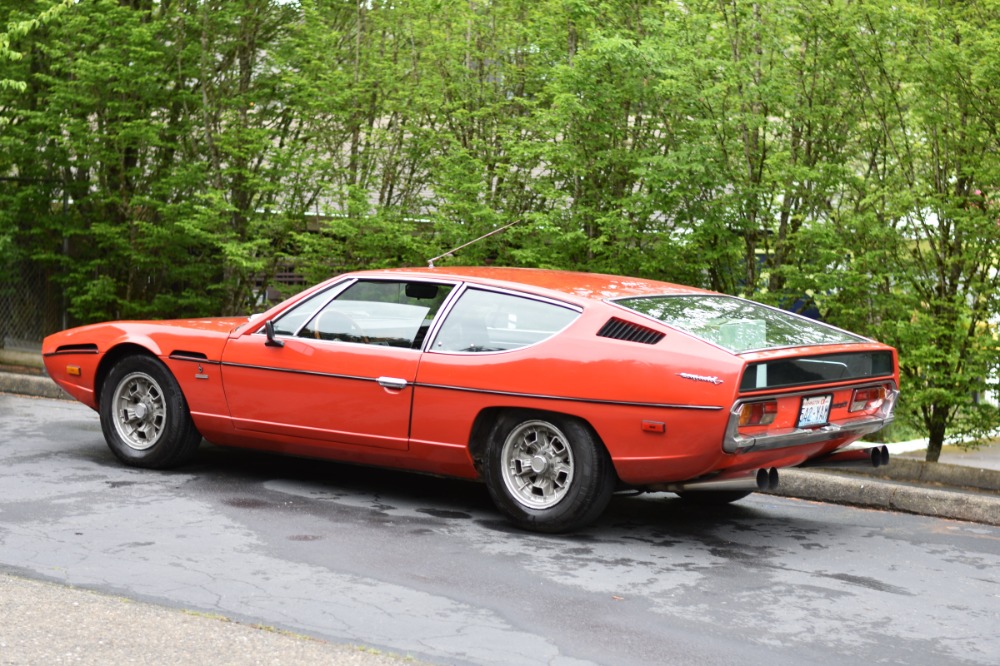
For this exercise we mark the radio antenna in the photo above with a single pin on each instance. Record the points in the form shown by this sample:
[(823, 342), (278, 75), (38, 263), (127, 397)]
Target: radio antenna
[(430, 262)]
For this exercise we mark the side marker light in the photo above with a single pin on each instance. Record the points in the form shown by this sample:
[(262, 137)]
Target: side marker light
[(654, 426)]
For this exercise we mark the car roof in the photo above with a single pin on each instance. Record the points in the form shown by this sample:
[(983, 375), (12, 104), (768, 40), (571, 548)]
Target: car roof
[(594, 286)]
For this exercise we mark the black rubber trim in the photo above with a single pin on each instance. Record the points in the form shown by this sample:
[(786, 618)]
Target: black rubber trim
[(619, 329), (509, 394), (193, 357), (311, 373), (74, 349), (559, 398)]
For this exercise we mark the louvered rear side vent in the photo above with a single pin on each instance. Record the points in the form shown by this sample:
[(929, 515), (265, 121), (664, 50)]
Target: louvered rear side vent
[(623, 330)]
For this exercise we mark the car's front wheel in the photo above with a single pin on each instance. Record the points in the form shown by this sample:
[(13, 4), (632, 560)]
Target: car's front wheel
[(548, 473), (144, 416)]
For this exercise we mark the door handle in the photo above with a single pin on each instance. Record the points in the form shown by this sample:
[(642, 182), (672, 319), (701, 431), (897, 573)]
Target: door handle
[(392, 383)]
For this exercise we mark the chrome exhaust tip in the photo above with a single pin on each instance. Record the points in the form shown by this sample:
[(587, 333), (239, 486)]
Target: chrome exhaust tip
[(877, 456), (762, 479)]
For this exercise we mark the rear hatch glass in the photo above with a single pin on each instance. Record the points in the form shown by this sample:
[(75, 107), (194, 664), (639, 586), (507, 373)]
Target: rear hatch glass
[(737, 325)]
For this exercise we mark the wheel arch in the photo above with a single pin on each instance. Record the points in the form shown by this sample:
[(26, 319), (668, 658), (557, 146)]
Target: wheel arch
[(486, 420), (110, 359)]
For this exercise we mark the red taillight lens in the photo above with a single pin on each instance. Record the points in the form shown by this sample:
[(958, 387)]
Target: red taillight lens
[(867, 399), (758, 413)]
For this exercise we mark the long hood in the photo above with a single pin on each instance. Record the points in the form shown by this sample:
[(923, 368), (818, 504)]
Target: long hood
[(217, 324), (206, 336)]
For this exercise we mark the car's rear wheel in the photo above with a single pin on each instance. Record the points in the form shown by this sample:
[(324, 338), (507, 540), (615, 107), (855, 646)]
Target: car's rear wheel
[(144, 416), (547, 473), (713, 497)]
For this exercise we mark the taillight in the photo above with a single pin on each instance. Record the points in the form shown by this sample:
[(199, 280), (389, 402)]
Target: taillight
[(758, 413), (867, 399)]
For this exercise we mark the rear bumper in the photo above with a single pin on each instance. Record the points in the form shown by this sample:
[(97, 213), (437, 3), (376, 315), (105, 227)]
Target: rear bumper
[(846, 432)]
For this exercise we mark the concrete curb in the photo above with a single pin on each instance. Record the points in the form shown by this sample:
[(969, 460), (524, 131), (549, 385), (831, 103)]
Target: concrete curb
[(38, 386), (878, 494), (917, 471), (27, 359)]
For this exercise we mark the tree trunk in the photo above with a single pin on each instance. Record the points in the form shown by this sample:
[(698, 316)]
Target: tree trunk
[(936, 428)]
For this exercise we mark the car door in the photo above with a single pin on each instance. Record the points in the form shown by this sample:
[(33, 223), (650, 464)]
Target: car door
[(345, 367)]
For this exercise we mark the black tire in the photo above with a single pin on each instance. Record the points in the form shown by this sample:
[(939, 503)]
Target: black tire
[(713, 497), (547, 473), (144, 416)]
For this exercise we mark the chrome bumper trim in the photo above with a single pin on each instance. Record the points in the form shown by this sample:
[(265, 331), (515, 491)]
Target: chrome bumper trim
[(736, 443)]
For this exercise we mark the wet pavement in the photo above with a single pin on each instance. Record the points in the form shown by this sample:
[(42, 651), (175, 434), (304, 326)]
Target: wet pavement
[(347, 566)]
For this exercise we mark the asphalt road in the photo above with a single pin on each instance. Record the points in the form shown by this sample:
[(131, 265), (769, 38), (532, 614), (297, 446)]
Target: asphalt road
[(426, 567)]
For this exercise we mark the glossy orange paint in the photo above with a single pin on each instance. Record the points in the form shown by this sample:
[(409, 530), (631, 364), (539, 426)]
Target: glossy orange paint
[(334, 400)]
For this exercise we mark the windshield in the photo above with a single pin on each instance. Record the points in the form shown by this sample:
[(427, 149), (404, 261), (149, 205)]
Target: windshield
[(736, 324)]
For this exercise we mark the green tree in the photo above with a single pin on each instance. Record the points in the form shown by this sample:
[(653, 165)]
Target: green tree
[(836, 156), (19, 24), (250, 151), (20, 19), (919, 219)]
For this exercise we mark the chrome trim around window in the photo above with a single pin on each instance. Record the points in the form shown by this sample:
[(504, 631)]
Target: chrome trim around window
[(465, 287), (332, 291)]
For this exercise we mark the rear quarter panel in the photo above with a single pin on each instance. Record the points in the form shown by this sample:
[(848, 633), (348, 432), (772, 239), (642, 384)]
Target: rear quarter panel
[(622, 389)]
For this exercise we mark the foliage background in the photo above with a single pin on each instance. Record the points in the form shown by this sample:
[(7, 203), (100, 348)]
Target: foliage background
[(176, 157)]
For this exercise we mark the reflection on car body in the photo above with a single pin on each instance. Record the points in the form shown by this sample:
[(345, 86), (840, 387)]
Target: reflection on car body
[(554, 388)]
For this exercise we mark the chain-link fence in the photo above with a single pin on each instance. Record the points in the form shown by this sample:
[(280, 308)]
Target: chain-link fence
[(31, 307)]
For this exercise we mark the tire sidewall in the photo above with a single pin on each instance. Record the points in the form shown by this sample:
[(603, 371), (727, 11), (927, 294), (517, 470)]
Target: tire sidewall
[(176, 436), (588, 494)]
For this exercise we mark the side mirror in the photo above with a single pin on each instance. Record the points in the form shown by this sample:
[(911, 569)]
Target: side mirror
[(269, 330)]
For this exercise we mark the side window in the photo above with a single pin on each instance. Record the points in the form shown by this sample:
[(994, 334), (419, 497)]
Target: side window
[(374, 312), (485, 321), (292, 320)]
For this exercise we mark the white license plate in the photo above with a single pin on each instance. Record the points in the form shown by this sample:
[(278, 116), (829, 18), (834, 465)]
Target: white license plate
[(815, 411)]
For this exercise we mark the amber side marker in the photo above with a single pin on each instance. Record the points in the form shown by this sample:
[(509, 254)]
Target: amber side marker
[(73, 370)]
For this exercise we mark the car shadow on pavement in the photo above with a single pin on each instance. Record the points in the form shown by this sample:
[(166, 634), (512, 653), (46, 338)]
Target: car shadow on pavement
[(240, 475)]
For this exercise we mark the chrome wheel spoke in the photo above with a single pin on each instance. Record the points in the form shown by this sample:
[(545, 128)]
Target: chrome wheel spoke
[(561, 475), (542, 487), (521, 465), (144, 431)]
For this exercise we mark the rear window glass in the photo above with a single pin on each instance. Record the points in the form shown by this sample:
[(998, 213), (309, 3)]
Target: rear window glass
[(736, 324)]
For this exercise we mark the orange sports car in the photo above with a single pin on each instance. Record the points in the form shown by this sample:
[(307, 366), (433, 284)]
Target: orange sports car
[(554, 388)]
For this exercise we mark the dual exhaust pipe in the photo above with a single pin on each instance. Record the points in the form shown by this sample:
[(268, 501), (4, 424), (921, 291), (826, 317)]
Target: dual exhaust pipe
[(762, 479), (877, 456)]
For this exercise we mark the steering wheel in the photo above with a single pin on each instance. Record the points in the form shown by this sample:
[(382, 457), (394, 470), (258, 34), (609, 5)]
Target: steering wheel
[(334, 325)]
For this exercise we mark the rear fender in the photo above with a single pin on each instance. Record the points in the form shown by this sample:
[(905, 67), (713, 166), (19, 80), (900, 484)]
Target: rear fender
[(479, 438)]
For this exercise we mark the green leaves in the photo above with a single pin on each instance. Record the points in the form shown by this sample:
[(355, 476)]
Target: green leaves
[(837, 156), (20, 26)]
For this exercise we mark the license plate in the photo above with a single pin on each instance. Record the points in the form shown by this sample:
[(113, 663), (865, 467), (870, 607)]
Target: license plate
[(815, 411)]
